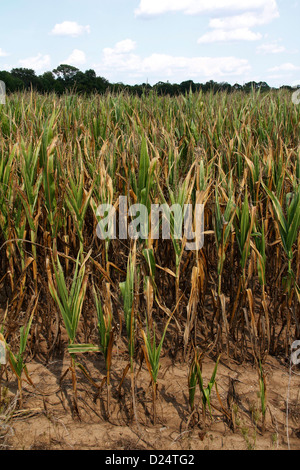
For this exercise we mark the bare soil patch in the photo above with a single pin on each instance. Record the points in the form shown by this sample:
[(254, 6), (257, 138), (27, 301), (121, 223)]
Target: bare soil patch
[(47, 420)]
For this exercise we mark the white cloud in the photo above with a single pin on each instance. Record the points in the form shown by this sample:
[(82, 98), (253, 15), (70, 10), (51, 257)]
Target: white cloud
[(70, 28), (232, 21), (287, 67), (249, 19), (237, 27), (121, 51), (271, 48), (118, 60), (219, 35), (121, 56), (76, 58), (149, 8), (127, 45), (195, 66), (38, 63), (3, 53)]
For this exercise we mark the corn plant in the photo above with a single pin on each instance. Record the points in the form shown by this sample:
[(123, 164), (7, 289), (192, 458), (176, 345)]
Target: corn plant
[(288, 227), (29, 194), (3, 354), (192, 383), (106, 334), (175, 216), (50, 171), (259, 248), (127, 292), (245, 217), (205, 391), (70, 303), (78, 200), (17, 362), (289, 231), (103, 193), (263, 395), (222, 227), (6, 198), (152, 353), (148, 254)]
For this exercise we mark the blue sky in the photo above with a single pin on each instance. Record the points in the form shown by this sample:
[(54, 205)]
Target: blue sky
[(135, 41)]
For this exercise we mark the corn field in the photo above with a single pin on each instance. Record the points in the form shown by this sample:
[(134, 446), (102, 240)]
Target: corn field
[(62, 289)]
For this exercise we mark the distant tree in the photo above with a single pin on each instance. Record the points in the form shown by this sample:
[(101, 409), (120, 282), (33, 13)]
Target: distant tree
[(27, 76), (47, 82), (237, 87), (88, 82), (264, 86), (211, 86), (187, 86), (288, 87), (118, 87), (166, 88), (142, 89), (80, 82), (11, 83), (69, 78), (101, 84), (256, 86), (66, 72), (224, 86), (90, 74)]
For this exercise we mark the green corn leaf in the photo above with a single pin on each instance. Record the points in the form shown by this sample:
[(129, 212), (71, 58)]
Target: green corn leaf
[(148, 254), (279, 212), (144, 166), (83, 348), (213, 377), (293, 228)]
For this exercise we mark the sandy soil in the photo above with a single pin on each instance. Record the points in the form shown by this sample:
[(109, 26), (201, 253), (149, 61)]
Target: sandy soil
[(47, 421)]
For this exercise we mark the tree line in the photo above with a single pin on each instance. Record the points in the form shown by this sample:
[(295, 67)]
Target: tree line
[(66, 78)]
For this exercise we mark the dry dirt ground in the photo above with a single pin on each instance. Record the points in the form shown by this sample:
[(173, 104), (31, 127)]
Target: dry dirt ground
[(45, 420)]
